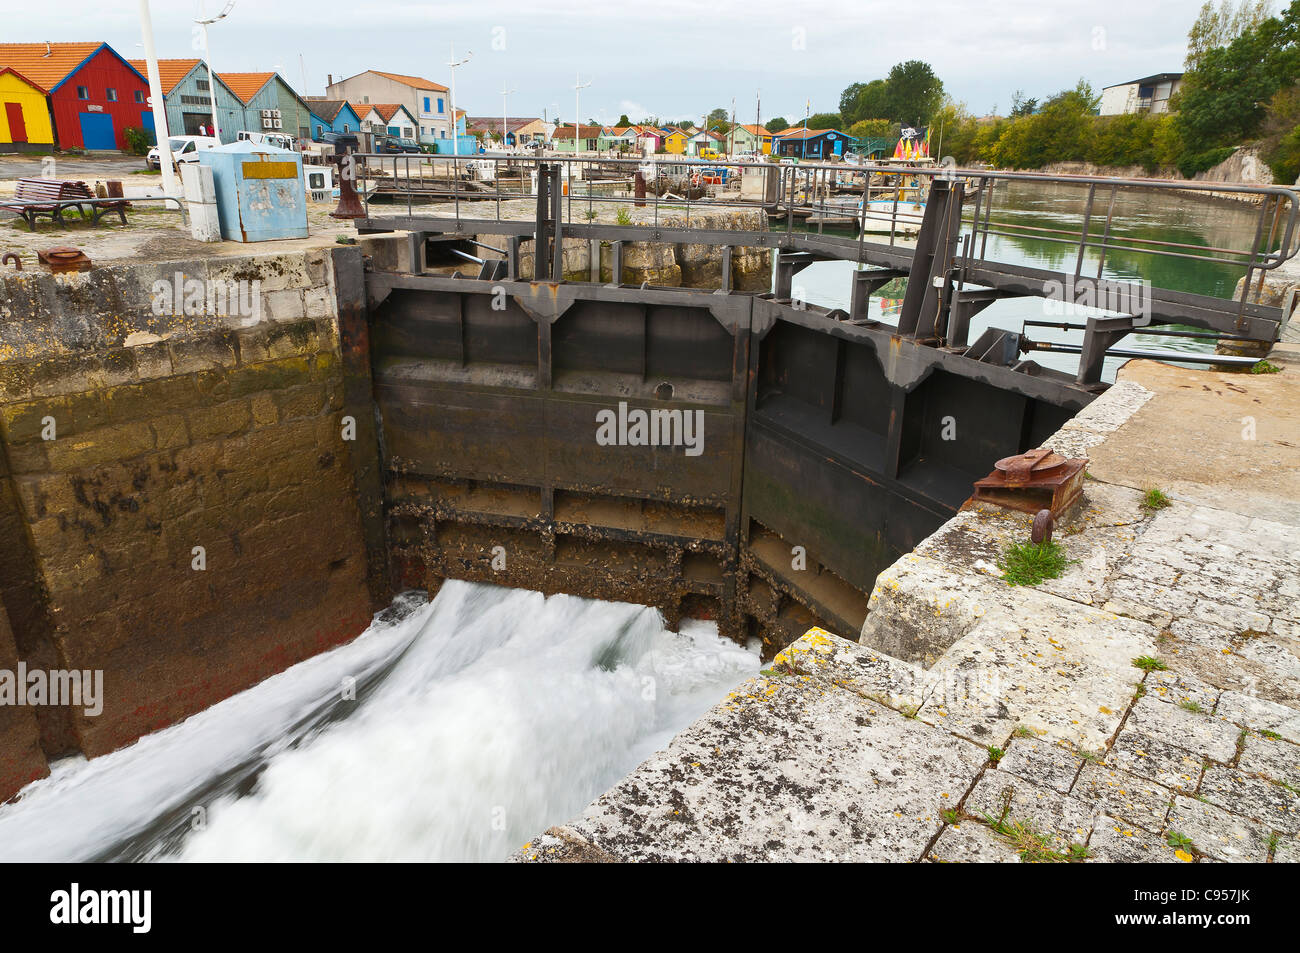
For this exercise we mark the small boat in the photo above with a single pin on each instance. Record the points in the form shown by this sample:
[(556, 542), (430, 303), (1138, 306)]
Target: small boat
[(897, 207), (883, 216)]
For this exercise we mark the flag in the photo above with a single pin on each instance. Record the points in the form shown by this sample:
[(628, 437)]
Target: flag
[(898, 150)]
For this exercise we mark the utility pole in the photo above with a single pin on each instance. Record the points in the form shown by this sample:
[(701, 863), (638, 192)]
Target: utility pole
[(731, 133), (203, 24), (578, 86), (504, 94), (159, 106), (455, 133)]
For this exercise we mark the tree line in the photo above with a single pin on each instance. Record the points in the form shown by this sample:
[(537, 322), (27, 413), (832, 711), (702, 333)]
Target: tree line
[(1242, 85)]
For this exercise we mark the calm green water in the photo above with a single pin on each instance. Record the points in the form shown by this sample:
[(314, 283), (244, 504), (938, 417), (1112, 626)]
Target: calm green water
[(1207, 223)]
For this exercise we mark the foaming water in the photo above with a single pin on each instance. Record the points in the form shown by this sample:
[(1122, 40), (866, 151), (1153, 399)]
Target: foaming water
[(479, 719)]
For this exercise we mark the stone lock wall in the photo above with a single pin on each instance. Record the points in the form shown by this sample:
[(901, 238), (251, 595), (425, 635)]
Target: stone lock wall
[(178, 507)]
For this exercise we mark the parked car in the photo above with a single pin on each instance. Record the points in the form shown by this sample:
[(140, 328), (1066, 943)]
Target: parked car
[(341, 140), (184, 149), (390, 145), (278, 139)]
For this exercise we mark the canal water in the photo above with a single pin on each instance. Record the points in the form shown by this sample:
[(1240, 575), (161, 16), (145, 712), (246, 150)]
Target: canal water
[(455, 729), (1148, 215)]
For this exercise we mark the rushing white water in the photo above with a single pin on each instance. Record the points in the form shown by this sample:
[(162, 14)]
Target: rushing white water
[(479, 720)]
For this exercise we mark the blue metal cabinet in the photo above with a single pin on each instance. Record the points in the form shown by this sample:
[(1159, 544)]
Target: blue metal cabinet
[(260, 191)]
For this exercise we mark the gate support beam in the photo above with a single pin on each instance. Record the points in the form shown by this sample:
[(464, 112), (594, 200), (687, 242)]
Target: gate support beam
[(929, 284)]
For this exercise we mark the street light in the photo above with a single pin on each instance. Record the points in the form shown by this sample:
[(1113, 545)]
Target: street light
[(504, 115), (455, 133), (578, 86), (203, 24)]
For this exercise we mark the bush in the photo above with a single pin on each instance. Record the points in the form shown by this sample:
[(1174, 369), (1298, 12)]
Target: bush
[(1192, 163), (138, 141)]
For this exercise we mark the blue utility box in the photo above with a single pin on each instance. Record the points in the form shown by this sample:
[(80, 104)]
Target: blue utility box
[(260, 191)]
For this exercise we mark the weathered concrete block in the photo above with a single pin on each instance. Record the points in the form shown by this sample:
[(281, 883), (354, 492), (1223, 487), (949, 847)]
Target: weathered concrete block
[(1265, 798), (1060, 819), (284, 305), (882, 802), (1113, 841), (104, 445), (974, 843), (1134, 799), (1221, 835), (21, 758)]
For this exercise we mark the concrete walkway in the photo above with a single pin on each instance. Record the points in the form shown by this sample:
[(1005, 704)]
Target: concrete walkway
[(1144, 706)]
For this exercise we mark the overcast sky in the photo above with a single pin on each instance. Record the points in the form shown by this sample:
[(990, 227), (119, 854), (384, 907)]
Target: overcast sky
[(671, 58)]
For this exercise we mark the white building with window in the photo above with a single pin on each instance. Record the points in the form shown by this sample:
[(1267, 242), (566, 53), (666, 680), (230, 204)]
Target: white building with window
[(428, 103), (1147, 95)]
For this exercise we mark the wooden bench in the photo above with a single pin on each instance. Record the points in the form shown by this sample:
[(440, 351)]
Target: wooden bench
[(34, 197)]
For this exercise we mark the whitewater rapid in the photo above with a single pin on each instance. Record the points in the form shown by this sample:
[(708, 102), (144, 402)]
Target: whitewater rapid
[(450, 730)]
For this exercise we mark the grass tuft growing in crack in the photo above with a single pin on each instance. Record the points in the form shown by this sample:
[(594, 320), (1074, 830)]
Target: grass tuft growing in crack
[(1155, 499), (1149, 664), (1028, 564)]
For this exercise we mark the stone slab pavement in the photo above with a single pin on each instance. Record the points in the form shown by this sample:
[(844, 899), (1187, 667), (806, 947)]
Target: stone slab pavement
[(1142, 707)]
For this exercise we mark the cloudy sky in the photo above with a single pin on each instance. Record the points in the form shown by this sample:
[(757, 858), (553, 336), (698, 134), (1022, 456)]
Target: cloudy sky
[(671, 58)]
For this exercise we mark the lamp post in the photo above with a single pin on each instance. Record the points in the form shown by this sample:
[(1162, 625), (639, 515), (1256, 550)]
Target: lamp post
[(578, 86), (455, 133), (203, 24), (159, 106), (504, 115)]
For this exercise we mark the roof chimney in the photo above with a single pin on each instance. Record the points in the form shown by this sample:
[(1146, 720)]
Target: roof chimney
[(48, 50), (329, 79)]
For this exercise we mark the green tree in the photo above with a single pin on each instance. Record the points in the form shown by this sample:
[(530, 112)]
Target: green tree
[(777, 124), (953, 132), (1020, 106), (825, 121), (1218, 26), (1223, 101), (624, 121), (1281, 145), (1061, 131), (872, 129), (864, 101), (914, 93)]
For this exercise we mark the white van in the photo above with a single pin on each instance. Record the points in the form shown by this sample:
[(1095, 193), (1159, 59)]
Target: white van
[(278, 139), (184, 149)]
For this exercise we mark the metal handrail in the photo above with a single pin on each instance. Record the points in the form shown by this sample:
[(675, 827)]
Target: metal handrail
[(803, 191)]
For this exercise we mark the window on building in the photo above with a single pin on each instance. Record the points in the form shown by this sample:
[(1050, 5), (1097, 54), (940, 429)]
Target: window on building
[(83, 92), (426, 104), (111, 94), (408, 132), (346, 127), (440, 110), (442, 133), (139, 95), (320, 131), (202, 84)]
